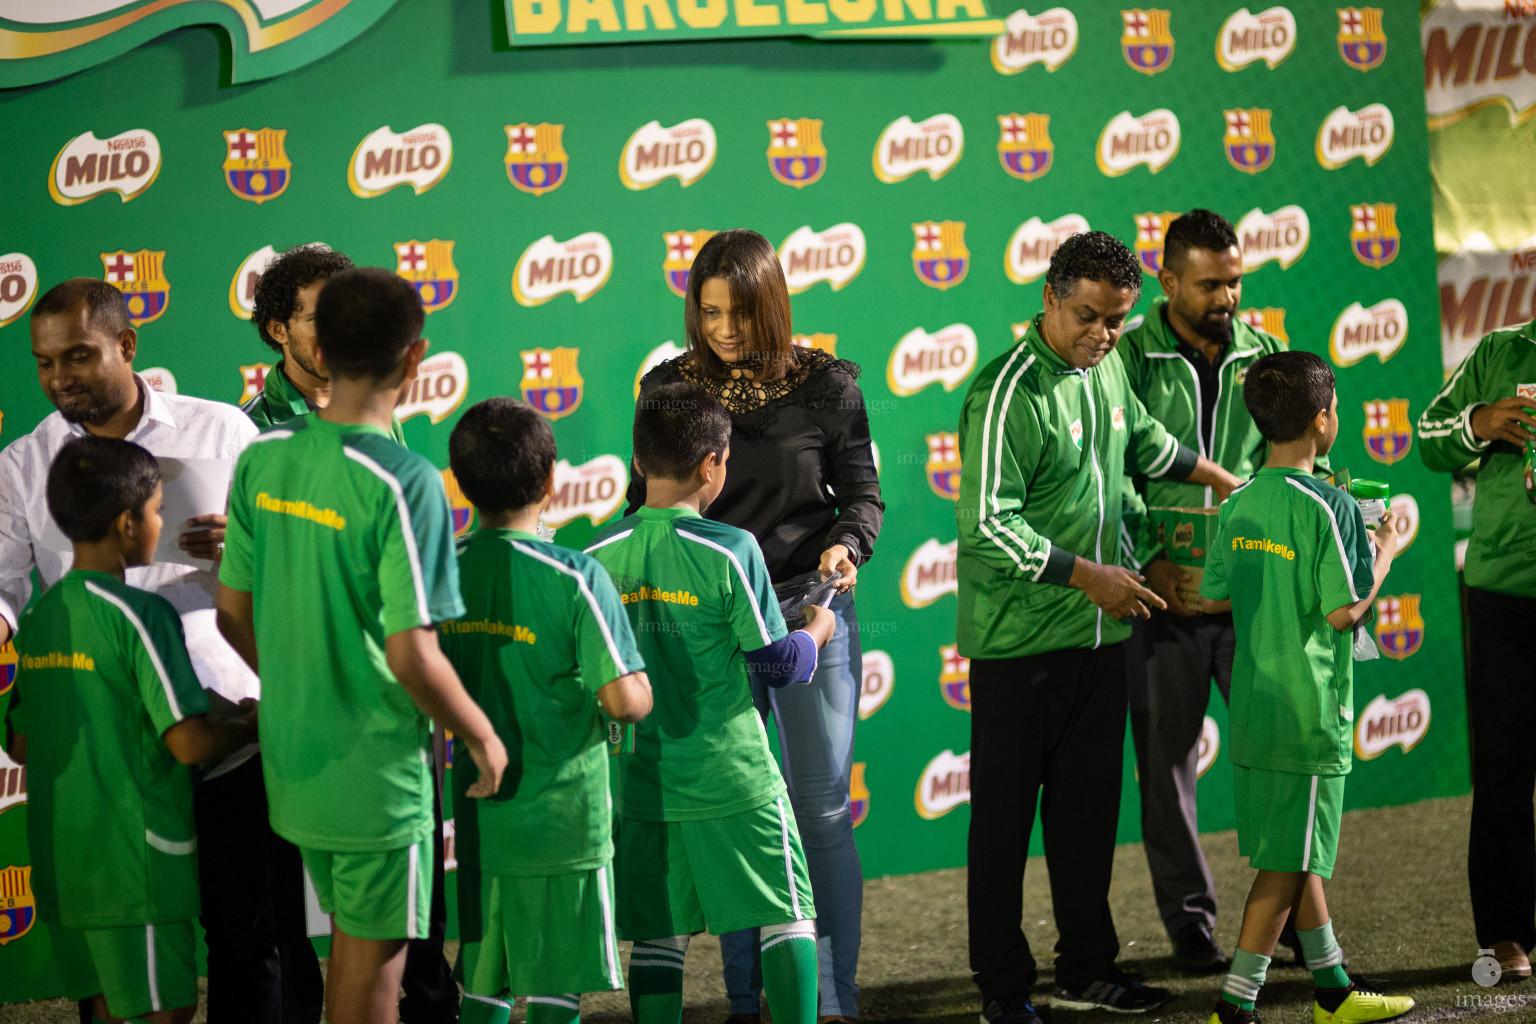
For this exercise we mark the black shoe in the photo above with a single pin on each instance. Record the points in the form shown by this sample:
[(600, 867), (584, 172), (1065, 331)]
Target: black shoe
[(1195, 951), (1226, 1013), (1115, 992), (1009, 1010)]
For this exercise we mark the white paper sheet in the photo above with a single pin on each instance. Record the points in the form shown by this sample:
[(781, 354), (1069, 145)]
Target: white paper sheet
[(192, 487)]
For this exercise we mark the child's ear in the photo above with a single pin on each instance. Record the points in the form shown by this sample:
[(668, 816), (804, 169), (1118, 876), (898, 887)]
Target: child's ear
[(549, 489), (127, 524)]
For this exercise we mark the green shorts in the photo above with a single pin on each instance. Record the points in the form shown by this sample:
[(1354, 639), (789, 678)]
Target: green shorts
[(139, 969), (745, 870), (1288, 822), (384, 895), (533, 936)]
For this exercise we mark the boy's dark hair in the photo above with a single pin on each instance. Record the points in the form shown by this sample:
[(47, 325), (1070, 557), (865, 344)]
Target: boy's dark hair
[(1197, 229), (365, 321), (94, 480), (675, 427), (277, 290), (108, 309), (501, 451), (1095, 256), (1284, 391)]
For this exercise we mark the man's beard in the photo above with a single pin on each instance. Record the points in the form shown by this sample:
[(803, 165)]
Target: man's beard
[(304, 365), (97, 409), (1217, 331)]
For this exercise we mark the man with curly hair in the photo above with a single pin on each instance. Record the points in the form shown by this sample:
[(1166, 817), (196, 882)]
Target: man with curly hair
[(284, 316), (1047, 431)]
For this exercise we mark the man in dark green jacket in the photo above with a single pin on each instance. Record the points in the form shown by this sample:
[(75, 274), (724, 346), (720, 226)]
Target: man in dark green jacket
[(1186, 363), (1046, 434), (1484, 414)]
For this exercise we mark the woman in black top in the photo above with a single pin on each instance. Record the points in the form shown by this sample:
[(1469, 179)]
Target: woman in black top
[(802, 481)]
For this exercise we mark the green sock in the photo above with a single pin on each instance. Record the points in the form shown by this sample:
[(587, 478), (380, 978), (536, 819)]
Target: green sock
[(564, 1009), (1324, 958), (1241, 987), (789, 976), (656, 984), (484, 1010)]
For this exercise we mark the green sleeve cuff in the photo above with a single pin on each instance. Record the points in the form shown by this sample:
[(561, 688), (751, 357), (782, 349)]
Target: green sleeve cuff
[(1058, 566)]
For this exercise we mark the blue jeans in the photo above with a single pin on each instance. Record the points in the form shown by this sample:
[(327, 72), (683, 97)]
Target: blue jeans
[(815, 724)]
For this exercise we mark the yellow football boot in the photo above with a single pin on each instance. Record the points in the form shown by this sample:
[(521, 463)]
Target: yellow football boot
[(1361, 1007)]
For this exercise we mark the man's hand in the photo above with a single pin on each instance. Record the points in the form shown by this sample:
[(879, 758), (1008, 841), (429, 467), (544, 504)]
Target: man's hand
[(1503, 421), (1208, 474), (491, 758), (1165, 579), (203, 536), (1115, 589), (838, 558)]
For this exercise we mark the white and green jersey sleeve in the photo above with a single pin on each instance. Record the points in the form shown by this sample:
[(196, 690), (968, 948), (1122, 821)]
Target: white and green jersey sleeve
[(344, 538), (1289, 550), (542, 632), (1501, 556), (1044, 451), (698, 596), (103, 673)]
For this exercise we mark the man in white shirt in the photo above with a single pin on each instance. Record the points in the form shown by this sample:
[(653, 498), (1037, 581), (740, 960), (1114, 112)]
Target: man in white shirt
[(84, 348)]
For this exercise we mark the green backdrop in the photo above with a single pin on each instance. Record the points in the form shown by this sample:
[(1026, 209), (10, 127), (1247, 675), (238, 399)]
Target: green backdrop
[(433, 63)]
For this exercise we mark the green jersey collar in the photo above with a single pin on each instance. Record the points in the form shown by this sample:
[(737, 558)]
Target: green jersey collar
[(315, 421), (282, 393), (1041, 349), (648, 513), (507, 533)]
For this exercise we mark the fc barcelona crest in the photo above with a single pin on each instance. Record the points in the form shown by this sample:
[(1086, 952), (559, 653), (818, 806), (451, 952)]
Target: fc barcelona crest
[(955, 678), (1388, 433), (1147, 41), (7, 667), (1268, 319), (255, 165), (1024, 145), (796, 156), (1399, 627), (1374, 235), (536, 158), (429, 267), (858, 795), (1249, 143), (1362, 40), (140, 276), (18, 910), (252, 378), (944, 465), (458, 504), (682, 247), (1150, 229), (939, 255), (822, 342), (551, 382)]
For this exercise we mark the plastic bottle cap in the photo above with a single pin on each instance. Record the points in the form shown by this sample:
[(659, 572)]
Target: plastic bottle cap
[(1366, 489)]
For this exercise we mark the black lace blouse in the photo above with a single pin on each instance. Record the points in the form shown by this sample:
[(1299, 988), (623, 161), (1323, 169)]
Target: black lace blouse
[(802, 471)]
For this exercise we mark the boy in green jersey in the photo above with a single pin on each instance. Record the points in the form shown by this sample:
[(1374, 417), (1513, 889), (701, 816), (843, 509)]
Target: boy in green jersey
[(704, 837), (1292, 560), (107, 714), (338, 563), (543, 632)]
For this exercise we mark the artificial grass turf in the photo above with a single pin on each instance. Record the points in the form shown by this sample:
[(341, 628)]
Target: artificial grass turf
[(1398, 900)]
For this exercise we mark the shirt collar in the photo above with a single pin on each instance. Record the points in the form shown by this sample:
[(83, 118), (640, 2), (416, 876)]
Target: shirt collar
[(1042, 350), (281, 391), (649, 513), (156, 411)]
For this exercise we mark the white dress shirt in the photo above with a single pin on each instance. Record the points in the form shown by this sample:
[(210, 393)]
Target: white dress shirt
[(172, 426)]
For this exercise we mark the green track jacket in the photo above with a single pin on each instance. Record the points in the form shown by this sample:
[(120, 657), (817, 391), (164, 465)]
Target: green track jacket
[(1044, 448), (1502, 553)]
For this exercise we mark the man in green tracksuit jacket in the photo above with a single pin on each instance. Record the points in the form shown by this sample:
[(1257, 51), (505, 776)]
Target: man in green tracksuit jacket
[(1484, 413), (1046, 435), (1186, 363)]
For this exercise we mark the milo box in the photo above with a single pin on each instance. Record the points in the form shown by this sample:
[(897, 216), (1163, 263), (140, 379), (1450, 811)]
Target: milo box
[(1186, 535)]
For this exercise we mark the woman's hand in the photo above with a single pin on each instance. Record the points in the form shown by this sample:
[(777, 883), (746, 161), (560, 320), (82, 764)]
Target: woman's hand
[(837, 558)]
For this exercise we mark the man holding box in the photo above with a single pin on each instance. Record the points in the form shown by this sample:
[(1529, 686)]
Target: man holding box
[(1047, 432), (1186, 362)]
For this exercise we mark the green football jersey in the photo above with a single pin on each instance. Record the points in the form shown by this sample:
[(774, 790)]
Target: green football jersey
[(279, 401), (542, 632), (1290, 549), (698, 596), (343, 538), (102, 673)]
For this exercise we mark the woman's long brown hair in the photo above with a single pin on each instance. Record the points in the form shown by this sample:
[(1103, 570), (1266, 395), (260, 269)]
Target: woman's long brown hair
[(748, 264)]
